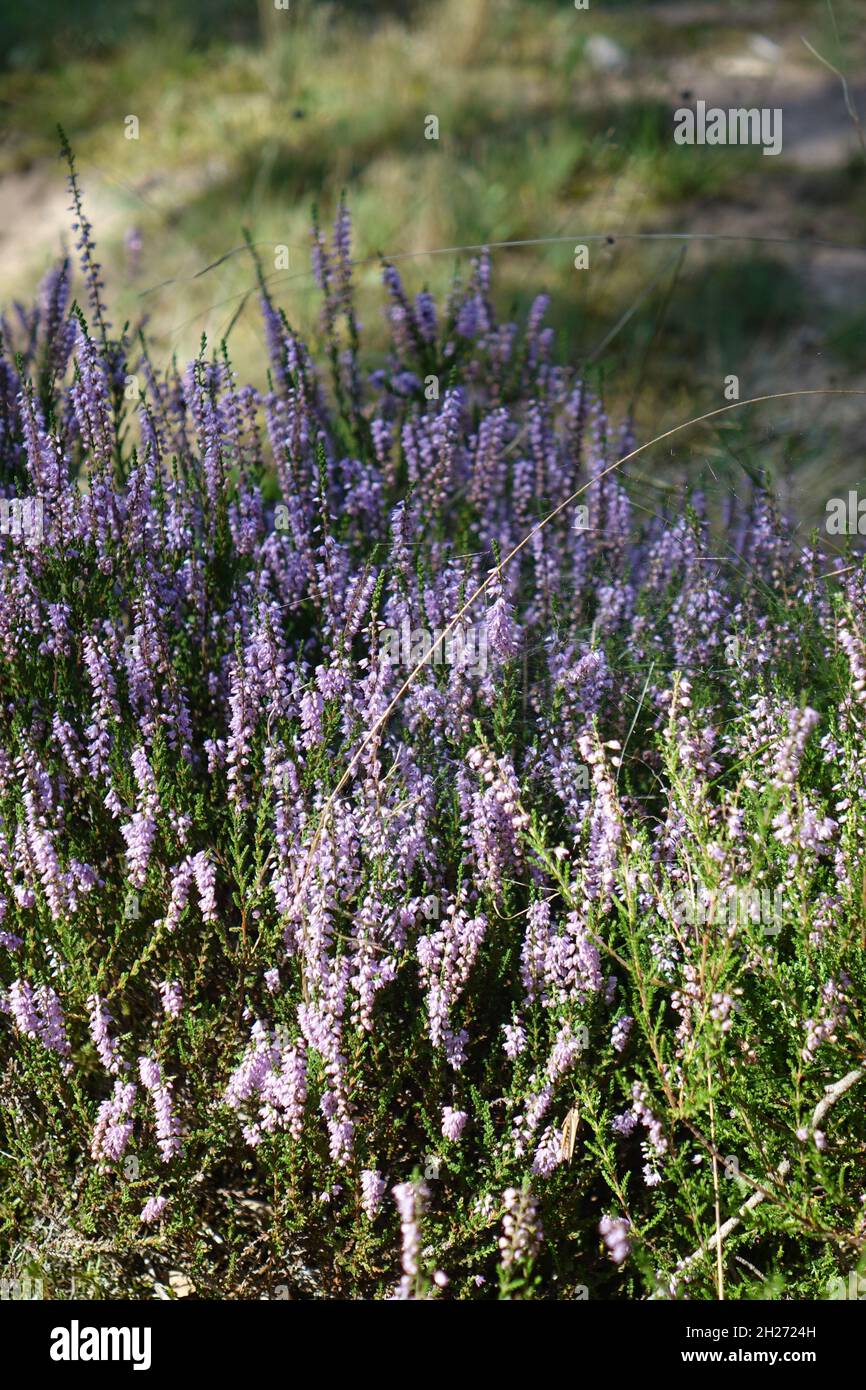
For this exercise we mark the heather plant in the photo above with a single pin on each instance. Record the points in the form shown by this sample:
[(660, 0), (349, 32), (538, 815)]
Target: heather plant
[(322, 976)]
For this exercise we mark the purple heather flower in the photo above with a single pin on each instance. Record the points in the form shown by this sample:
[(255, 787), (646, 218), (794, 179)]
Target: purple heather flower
[(183, 878), (38, 1014), (171, 997), (372, 1191), (114, 1122), (515, 1039), (167, 1126), (411, 1198), (445, 959), (205, 880), (789, 754), (153, 1209), (548, 1154), (521, 1228), (453, 1122), (614, 1231), (21, 1002), (105, 710), (139, 835), (832, 1013), (502, 634), (100, 1032), (620, 1032), (270, 1081)]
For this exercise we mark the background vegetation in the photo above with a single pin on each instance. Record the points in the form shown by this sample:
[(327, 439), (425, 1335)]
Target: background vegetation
[(553, 122)]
